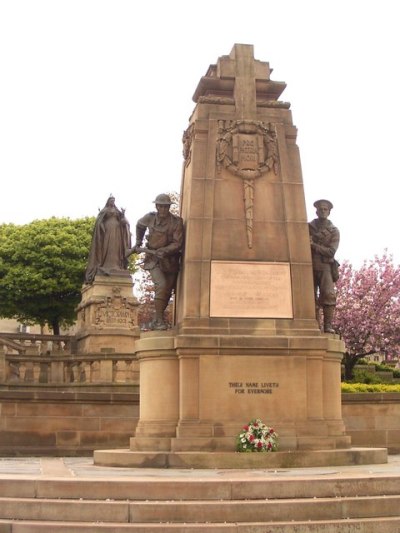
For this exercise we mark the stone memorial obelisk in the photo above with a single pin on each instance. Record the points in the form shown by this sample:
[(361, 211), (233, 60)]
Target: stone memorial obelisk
[(246, 343)]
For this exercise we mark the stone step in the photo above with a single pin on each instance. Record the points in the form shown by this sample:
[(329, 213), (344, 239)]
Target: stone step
[(75, 496), (170, 488), (368, 525), (200, 511)]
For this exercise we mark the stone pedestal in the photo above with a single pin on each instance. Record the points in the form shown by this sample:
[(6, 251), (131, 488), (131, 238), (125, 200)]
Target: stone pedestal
[(211, 385), (107, 316)]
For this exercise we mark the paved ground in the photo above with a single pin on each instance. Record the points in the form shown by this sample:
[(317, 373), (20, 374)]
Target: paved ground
[(83, 467)]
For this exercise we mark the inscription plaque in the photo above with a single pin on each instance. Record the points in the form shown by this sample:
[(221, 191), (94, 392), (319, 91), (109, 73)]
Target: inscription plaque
[(246, 151), (250, 289)]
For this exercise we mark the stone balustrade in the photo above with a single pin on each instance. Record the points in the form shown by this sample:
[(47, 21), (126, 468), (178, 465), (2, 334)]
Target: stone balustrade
[(60, 370), (37, 344), (27, 359)]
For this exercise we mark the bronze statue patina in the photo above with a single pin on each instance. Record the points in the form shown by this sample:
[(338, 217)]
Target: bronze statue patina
[(110, 241), (324, 238), (163, 250)]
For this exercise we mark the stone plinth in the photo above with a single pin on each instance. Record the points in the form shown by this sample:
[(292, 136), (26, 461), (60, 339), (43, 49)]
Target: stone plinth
[(214, 384), (231, 460), (107, 316)]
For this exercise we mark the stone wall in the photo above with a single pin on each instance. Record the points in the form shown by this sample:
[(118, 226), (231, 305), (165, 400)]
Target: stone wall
[(77, 421), (65, 422), (373, 419)]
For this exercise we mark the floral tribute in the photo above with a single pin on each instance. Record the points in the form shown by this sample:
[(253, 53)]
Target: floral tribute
[(257, 437)]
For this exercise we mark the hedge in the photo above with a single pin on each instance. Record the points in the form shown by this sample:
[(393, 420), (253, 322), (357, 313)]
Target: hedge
[(370, 387)]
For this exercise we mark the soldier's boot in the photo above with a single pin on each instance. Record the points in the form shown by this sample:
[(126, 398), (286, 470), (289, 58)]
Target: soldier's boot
[(328, 318), (160, 306)]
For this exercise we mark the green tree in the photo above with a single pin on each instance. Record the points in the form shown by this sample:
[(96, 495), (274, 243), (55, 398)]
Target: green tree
[(42, 267)]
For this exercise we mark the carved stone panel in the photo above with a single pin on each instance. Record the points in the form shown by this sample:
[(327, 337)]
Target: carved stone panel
[(115, 312), (247, 148)]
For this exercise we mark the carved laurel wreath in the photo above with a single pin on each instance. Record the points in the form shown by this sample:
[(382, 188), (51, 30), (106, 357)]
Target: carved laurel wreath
[(187, 140), (226, 133)]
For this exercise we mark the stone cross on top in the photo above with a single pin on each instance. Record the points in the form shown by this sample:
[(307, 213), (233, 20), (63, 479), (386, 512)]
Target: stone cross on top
[(241, 79)]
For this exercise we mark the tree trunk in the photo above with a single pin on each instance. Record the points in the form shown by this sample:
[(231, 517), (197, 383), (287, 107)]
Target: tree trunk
[(349, 364), (55, 326)]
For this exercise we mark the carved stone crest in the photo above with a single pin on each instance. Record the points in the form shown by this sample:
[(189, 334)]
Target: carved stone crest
[(115, 312), (248, 149)]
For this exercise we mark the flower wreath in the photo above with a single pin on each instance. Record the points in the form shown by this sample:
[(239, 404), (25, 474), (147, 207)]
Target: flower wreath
[(257, 437)]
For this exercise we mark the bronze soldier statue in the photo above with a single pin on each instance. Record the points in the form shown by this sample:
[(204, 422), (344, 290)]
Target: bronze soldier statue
[(324, 237), (163, 250)]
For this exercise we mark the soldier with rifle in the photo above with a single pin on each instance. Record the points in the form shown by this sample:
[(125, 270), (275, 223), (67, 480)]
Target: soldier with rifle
[(163, 251), (324, 238)]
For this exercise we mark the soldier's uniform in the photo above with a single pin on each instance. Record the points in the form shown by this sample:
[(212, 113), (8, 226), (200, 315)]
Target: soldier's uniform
[(165, 237), (325, 241)]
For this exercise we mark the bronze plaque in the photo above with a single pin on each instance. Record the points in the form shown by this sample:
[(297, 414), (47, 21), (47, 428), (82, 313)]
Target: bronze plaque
[(250, 289)]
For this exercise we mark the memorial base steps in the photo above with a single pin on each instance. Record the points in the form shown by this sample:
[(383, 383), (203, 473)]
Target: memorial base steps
[(239, 502)]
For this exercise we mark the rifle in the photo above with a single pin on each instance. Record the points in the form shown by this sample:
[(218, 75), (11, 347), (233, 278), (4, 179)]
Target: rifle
[(137, 250)]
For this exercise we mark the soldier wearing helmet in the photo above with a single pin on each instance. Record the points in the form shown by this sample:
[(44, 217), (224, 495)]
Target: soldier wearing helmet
[(164, 246), (324, 238)]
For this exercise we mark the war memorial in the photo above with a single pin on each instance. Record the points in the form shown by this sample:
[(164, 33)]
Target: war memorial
[(245, 344)]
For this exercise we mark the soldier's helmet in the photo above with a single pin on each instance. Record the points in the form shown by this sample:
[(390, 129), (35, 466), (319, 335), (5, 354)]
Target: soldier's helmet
[(321, 202), (162, 199)]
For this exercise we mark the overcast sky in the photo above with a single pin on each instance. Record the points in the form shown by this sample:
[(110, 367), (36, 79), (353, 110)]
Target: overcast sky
[(95, 96)]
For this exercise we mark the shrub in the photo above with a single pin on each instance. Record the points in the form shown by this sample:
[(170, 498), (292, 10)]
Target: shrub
[(370, 387), (363, 376), (381, 367)]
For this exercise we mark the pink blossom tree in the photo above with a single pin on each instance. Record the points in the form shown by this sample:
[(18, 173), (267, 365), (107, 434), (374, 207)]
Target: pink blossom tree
[(368, 310)]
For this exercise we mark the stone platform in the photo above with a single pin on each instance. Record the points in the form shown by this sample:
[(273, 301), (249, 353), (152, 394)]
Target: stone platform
[(73, 495), (234, 460)]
